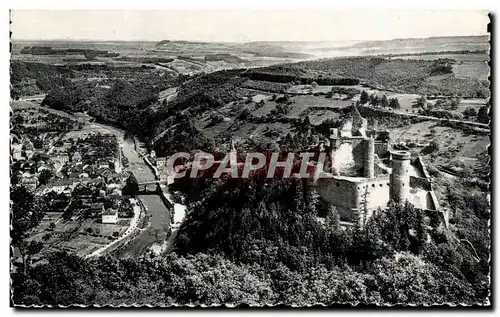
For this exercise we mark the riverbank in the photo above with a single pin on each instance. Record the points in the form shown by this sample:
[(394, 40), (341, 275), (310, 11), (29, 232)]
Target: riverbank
[(178, 211)]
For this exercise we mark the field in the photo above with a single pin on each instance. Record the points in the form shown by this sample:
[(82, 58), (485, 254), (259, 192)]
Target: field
[(74, 235), (467, 65), (455, 146), (187, 57), (480, 70)]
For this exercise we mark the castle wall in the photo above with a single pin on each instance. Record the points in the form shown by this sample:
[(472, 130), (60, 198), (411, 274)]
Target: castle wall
[(381, 148), (419, 164), (378, 192), (348, 156), (420, 182), (348, 195), (339, 192)]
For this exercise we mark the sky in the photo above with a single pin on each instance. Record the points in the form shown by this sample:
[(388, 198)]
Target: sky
[(244, 26)]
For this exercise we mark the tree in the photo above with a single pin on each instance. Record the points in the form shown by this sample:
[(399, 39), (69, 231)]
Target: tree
[(45, 176), (431, 148), (454, 103), (394, 103), (470, 112), (131, 187), (26, 213), (126, 209), (482, 114), (260, 104), (306, 122), (384, 102), (374, 100), (363, 98), (421, 102), (216, 118)]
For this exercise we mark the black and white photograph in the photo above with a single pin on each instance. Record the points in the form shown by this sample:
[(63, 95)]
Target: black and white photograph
[(250, 158)]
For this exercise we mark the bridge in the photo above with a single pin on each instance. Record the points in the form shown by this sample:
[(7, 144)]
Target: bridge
[(150, 187), (156, 181)]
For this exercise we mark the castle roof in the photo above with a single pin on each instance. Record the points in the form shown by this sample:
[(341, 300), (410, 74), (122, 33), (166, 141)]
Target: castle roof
[(353, 122)]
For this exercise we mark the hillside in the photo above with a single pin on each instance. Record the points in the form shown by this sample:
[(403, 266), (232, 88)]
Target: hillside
[(259, 241), (238, 102)]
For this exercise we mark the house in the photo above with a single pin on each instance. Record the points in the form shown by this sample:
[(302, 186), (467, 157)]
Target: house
[(96, 209), (60, 186), (110, 216), (111, 186), (30, 182), (67, 191), (60, 157), (29, 153), (116, 178), (104, 172), (67, 144), (17, 155), (94, 182), (72, 175), (103, 164), (42, 167), (77, 157), (47, 143), (28, 167), (16, 150)]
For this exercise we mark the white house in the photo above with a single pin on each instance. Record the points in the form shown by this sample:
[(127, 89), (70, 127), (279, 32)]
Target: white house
[(110, 216)]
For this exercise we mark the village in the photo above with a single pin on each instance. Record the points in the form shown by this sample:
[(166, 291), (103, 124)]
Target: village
[(79, 174)]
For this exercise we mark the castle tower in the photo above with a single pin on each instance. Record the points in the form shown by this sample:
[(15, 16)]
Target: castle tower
[(369, 157), (400, 177)]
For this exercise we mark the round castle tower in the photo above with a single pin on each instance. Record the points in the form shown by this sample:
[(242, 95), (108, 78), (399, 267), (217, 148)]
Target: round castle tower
[(400, 177), (369, 156)]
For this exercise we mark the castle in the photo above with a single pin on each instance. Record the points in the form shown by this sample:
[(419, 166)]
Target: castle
[(365, 174)]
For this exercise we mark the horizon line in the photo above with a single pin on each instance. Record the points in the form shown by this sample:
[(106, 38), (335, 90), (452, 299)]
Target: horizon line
[(254, 41)]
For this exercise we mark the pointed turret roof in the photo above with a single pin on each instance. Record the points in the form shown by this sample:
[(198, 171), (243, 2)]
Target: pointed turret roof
[(353, 122)]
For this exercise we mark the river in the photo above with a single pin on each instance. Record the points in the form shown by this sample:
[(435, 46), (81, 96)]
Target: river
[(156, 212)]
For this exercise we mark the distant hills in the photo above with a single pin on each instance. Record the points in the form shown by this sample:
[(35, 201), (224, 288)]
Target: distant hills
[(276, 51), (162, 42)]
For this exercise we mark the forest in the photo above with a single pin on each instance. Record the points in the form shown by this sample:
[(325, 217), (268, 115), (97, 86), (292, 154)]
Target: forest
[(253, 243), (405, 76)]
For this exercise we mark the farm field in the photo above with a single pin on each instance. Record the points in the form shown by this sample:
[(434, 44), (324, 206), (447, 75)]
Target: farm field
[(472, 57), (80, 236), (467, 65), (480, 71), (455, 146)]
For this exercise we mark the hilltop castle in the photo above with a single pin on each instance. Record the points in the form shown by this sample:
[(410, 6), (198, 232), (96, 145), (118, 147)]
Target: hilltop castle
[(365, 174)]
